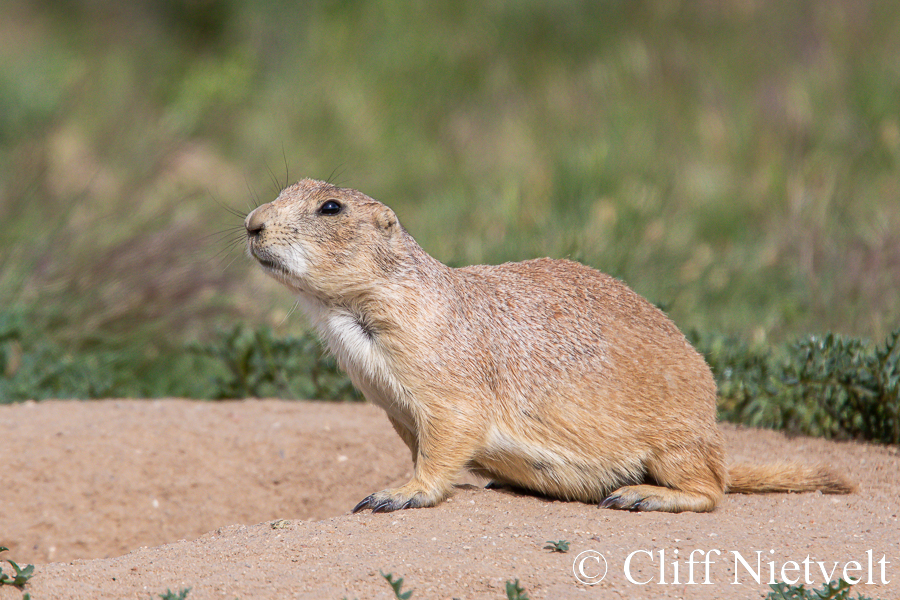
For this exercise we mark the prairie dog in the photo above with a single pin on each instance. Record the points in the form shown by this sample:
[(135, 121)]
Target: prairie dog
[(545, 375)]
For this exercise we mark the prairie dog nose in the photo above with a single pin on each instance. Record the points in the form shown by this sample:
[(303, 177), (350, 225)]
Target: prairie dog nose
[(256, 220)]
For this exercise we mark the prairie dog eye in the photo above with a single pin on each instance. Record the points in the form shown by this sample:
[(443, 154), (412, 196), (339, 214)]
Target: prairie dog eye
[(330, 207)]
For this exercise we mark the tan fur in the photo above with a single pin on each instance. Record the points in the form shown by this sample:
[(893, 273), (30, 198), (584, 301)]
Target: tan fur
[(545, 374), (785, 477)]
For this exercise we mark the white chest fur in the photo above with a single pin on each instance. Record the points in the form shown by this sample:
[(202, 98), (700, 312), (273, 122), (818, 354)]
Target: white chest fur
[(361, 355)]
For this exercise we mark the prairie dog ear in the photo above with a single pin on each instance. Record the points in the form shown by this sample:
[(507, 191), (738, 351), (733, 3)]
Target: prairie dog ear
[(386, 222)]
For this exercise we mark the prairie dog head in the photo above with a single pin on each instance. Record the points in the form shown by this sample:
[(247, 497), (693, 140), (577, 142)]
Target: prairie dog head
[(326, 241)]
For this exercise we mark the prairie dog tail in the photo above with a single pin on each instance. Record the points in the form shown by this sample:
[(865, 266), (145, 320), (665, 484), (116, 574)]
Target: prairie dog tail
[(785, 477)]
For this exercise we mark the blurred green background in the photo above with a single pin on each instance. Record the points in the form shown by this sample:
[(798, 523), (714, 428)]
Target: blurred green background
[(734, 161)]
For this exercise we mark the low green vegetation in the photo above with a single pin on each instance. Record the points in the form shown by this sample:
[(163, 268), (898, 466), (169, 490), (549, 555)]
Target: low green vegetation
[(256, 363), (238, 362), (557, 546), (397, 586), (179, 595), (514, 591), (832, 386), (836, 590), (20, 575)]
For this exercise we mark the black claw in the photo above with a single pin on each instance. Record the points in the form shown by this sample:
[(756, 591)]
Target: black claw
[(610, 502), (384, 506), (366, 502), (616, 502), (493, 485)]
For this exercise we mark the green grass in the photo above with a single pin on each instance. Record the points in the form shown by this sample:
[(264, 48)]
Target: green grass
[(736, 163)]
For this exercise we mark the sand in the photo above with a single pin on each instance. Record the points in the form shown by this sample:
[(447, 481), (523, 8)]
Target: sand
[(252, 499)]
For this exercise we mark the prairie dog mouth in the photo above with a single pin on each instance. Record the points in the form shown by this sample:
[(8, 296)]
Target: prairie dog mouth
[(265, 259), (290, 269), (267, 262)]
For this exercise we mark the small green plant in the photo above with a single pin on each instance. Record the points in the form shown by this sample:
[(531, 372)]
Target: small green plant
[(21, 576), (170, 595), (838, 590), (396, 585), (514, 591), (557, 546)]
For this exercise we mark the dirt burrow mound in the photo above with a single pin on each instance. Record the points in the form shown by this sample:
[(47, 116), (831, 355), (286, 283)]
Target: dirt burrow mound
[(262, 489)]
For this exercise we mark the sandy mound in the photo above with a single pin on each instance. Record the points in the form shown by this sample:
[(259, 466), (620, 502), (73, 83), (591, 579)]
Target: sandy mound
[(86, 481)]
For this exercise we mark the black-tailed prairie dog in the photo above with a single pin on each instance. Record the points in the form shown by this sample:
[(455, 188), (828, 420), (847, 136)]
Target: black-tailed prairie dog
[(545, 375)]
